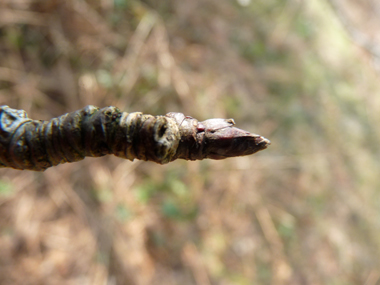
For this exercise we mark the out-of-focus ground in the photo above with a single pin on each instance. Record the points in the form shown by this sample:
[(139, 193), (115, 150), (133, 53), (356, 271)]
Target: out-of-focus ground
[(304, 74)]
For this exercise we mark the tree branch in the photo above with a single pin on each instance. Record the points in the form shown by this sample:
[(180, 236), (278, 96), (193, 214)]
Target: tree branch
[(38, 145)]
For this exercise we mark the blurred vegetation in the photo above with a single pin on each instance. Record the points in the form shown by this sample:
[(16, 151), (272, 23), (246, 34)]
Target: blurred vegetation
[(304, 211)]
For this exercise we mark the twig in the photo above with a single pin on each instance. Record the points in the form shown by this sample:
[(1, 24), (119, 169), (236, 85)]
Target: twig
[(38, 145)]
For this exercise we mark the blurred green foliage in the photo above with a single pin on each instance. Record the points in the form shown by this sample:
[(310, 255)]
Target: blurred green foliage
[(6, 188), (172, 193)]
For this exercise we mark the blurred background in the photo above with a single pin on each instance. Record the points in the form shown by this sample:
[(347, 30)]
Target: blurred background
[(304, 74)]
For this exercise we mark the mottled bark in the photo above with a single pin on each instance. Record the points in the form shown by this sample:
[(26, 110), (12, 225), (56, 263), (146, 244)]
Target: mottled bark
[(37, 145)]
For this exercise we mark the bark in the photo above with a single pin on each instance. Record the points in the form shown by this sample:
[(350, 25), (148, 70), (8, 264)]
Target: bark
[(37, 145)]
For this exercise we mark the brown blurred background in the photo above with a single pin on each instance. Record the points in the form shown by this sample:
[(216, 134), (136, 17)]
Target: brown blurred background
[(304, 74)]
